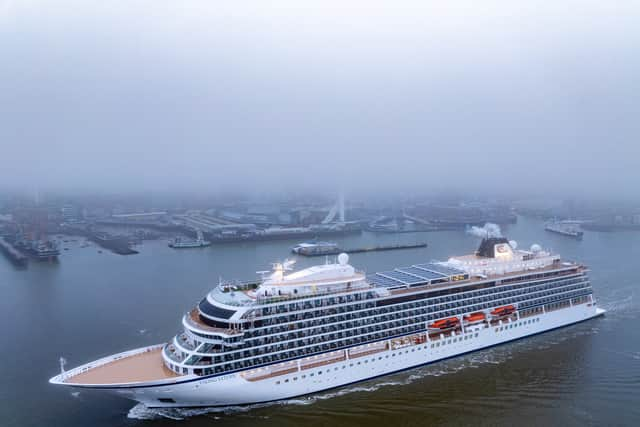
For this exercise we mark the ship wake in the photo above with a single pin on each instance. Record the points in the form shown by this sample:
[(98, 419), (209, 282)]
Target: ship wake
[(142, 412), (492, 356)]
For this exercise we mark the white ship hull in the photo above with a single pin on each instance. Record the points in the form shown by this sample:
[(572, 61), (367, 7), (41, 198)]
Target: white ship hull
[(233, 389)]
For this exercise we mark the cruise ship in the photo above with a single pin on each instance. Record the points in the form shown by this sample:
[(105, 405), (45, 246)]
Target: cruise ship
[(294, 333)]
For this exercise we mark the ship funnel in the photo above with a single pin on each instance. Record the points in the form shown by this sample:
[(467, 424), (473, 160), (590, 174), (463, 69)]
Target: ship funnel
[(494, 247)]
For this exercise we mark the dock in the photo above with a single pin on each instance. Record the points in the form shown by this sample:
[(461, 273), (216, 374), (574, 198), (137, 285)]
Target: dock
[(337, 251), (116, 244), (12, 253)]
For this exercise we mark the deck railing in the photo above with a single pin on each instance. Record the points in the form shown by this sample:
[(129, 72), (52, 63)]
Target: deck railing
[(101, 362)]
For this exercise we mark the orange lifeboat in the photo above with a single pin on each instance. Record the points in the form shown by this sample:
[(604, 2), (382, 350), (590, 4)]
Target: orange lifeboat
[(503, 311), (448, 323), (474, 317)]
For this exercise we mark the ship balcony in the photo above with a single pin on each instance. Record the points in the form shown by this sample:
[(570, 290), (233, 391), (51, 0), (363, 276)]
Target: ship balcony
[(173, 353), (143, 366), (185, 342), (192, 320)]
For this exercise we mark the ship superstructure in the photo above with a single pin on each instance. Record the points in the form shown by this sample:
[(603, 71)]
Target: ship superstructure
[(298, 332)]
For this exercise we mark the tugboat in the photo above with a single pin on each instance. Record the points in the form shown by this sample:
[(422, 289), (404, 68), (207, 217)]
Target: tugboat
[(180, 243)]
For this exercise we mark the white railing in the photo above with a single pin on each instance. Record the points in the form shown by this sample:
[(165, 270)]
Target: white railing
[(64, 376)]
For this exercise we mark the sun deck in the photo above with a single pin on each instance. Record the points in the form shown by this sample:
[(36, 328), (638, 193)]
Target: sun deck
[(146, 366)]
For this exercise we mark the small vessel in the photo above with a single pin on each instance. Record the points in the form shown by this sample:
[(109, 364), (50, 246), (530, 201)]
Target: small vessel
[(314, 247), (293, 333), (199, 242), (566, 228)]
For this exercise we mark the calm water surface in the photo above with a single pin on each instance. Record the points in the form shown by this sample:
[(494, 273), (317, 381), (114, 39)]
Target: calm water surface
[(92, 304)]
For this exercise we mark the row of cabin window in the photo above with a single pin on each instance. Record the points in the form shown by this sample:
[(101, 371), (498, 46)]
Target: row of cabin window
[(341, 343), (316, 349), (556, 298), (517, 324), (457, 294), (289, 354), (256, 331), (254, 334), (436, 344), (308, 303), (407, 315), (379, 358)]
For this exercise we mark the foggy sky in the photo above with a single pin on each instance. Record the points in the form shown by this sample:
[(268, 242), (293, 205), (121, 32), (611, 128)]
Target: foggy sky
[(153, 94)]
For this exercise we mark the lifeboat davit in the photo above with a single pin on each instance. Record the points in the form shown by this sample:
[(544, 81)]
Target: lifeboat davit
[(449, 323), (474, 318), (503, 311)]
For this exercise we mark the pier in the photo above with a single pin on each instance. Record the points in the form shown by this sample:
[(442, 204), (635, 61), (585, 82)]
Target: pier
[(116, 244), (337, 251)]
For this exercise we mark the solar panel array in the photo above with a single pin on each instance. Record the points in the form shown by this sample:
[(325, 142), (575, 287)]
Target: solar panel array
[(382, 281), (416, 274), (405, 278), (427, 274), (442, 269)]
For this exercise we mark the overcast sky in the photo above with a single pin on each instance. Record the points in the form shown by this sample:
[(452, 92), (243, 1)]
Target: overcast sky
[(154, 94)]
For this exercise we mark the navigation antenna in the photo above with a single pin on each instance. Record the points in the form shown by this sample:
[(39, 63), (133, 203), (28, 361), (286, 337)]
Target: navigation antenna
[(287, 265)]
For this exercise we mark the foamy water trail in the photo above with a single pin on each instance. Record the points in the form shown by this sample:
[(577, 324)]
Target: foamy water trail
[(141, 412), (491, 356)]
